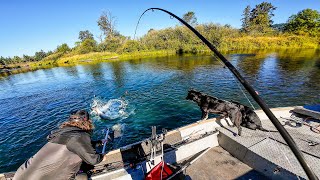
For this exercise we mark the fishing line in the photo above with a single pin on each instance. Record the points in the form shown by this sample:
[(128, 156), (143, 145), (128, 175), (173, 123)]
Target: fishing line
[(233, 78)]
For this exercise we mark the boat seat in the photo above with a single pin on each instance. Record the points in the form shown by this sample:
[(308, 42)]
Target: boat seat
[(308, 110)]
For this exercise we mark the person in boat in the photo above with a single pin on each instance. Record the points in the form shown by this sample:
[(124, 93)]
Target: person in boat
[(66, 149)]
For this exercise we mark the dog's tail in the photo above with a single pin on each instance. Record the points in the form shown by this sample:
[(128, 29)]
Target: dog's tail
[(265, 130)]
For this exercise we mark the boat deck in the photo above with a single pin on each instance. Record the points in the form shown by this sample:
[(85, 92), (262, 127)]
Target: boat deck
[(260, 149), (217, 163)]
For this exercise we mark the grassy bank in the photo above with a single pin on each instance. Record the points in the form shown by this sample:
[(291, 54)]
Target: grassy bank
[(167, 42), (71, 60)]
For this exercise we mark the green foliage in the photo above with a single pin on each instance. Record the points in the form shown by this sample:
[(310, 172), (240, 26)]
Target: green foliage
[(88, 45), (63, 48), (182, 39), (26, 58), (259, 18), (113, 43), (257, 32), (132, 46), (2, 61), (39, 55), (83, 35), (17, 59), (190, 18), (306, 21), (246, 19)]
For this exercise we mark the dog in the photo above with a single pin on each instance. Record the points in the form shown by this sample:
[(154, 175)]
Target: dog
[(209, 104), (239, 114)]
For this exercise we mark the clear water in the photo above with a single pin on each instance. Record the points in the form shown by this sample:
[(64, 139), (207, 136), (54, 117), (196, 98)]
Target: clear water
[(34, 103)]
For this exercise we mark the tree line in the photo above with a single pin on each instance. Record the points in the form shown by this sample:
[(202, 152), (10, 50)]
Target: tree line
[(256, 21)]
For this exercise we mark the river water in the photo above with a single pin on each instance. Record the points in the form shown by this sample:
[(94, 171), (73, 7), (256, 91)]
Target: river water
[(154, 90)]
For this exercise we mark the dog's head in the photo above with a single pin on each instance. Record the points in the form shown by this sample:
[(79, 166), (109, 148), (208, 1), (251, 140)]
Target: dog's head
[(194, 95)]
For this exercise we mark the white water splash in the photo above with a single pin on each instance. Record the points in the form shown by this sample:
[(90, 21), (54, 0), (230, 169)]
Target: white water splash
[(112, 109)]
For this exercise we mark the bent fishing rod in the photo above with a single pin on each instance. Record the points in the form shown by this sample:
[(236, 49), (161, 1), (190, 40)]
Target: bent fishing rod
[(286, 136)]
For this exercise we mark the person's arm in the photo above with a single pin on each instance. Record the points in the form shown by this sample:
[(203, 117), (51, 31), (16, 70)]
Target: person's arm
[(81, 145)]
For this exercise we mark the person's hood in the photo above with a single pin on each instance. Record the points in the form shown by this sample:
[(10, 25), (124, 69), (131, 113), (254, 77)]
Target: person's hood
[(66, 131)]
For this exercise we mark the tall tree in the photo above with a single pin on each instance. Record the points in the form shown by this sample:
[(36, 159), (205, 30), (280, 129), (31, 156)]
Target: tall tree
[(260, 18), (83, 35), (107, 23), (306, 21), (246, 19), (190, 18)]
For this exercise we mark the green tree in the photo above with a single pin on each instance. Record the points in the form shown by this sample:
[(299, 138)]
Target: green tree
[(131, 46), (25, 58), (17, 59), (2, 61), (9, 60), (38, 56), (306, 21), (88, 45), (246, 19), (83, 35), (260, 18), (106, 23), (63, 48), (190, 18)]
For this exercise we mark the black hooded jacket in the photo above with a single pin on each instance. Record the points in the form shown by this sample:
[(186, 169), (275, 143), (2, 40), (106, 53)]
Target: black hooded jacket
[(61, 157)]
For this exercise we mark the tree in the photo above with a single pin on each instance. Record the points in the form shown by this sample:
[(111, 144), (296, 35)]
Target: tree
[(83, 35), (190, 18), (246, 19), (25, 58), (88, 45), (306, 21), (39, 55), (63, 48), (107, 23), (259, 20), (2, 61)]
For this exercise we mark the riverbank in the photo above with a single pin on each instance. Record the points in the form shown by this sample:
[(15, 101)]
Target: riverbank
[(56, 60), (71, 60)]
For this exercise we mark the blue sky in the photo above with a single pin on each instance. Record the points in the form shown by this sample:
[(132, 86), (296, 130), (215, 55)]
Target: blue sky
[(29, 26)]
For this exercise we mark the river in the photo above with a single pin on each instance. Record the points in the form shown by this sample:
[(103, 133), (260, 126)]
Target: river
[(34, 103)]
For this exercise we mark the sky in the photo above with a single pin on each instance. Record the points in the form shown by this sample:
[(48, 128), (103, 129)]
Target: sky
[(27, 26)]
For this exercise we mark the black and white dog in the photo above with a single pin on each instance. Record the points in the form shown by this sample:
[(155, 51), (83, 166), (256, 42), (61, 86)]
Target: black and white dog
[(239, 114)]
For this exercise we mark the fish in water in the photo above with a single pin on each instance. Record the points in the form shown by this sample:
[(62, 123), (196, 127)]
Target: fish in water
[(113, 109)]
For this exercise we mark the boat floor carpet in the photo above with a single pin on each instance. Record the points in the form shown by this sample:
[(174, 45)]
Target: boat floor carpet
[(218, 163), (254, 147)]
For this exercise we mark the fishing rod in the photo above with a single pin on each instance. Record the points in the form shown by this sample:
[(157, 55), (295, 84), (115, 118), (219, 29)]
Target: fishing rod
[(105, 143), (286, 136)]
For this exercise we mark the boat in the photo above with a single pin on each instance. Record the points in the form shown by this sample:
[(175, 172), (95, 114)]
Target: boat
[(217, 153), (210, 149)]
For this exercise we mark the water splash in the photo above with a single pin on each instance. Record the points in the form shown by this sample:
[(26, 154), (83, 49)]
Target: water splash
[(118, 130), (111, 109)]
